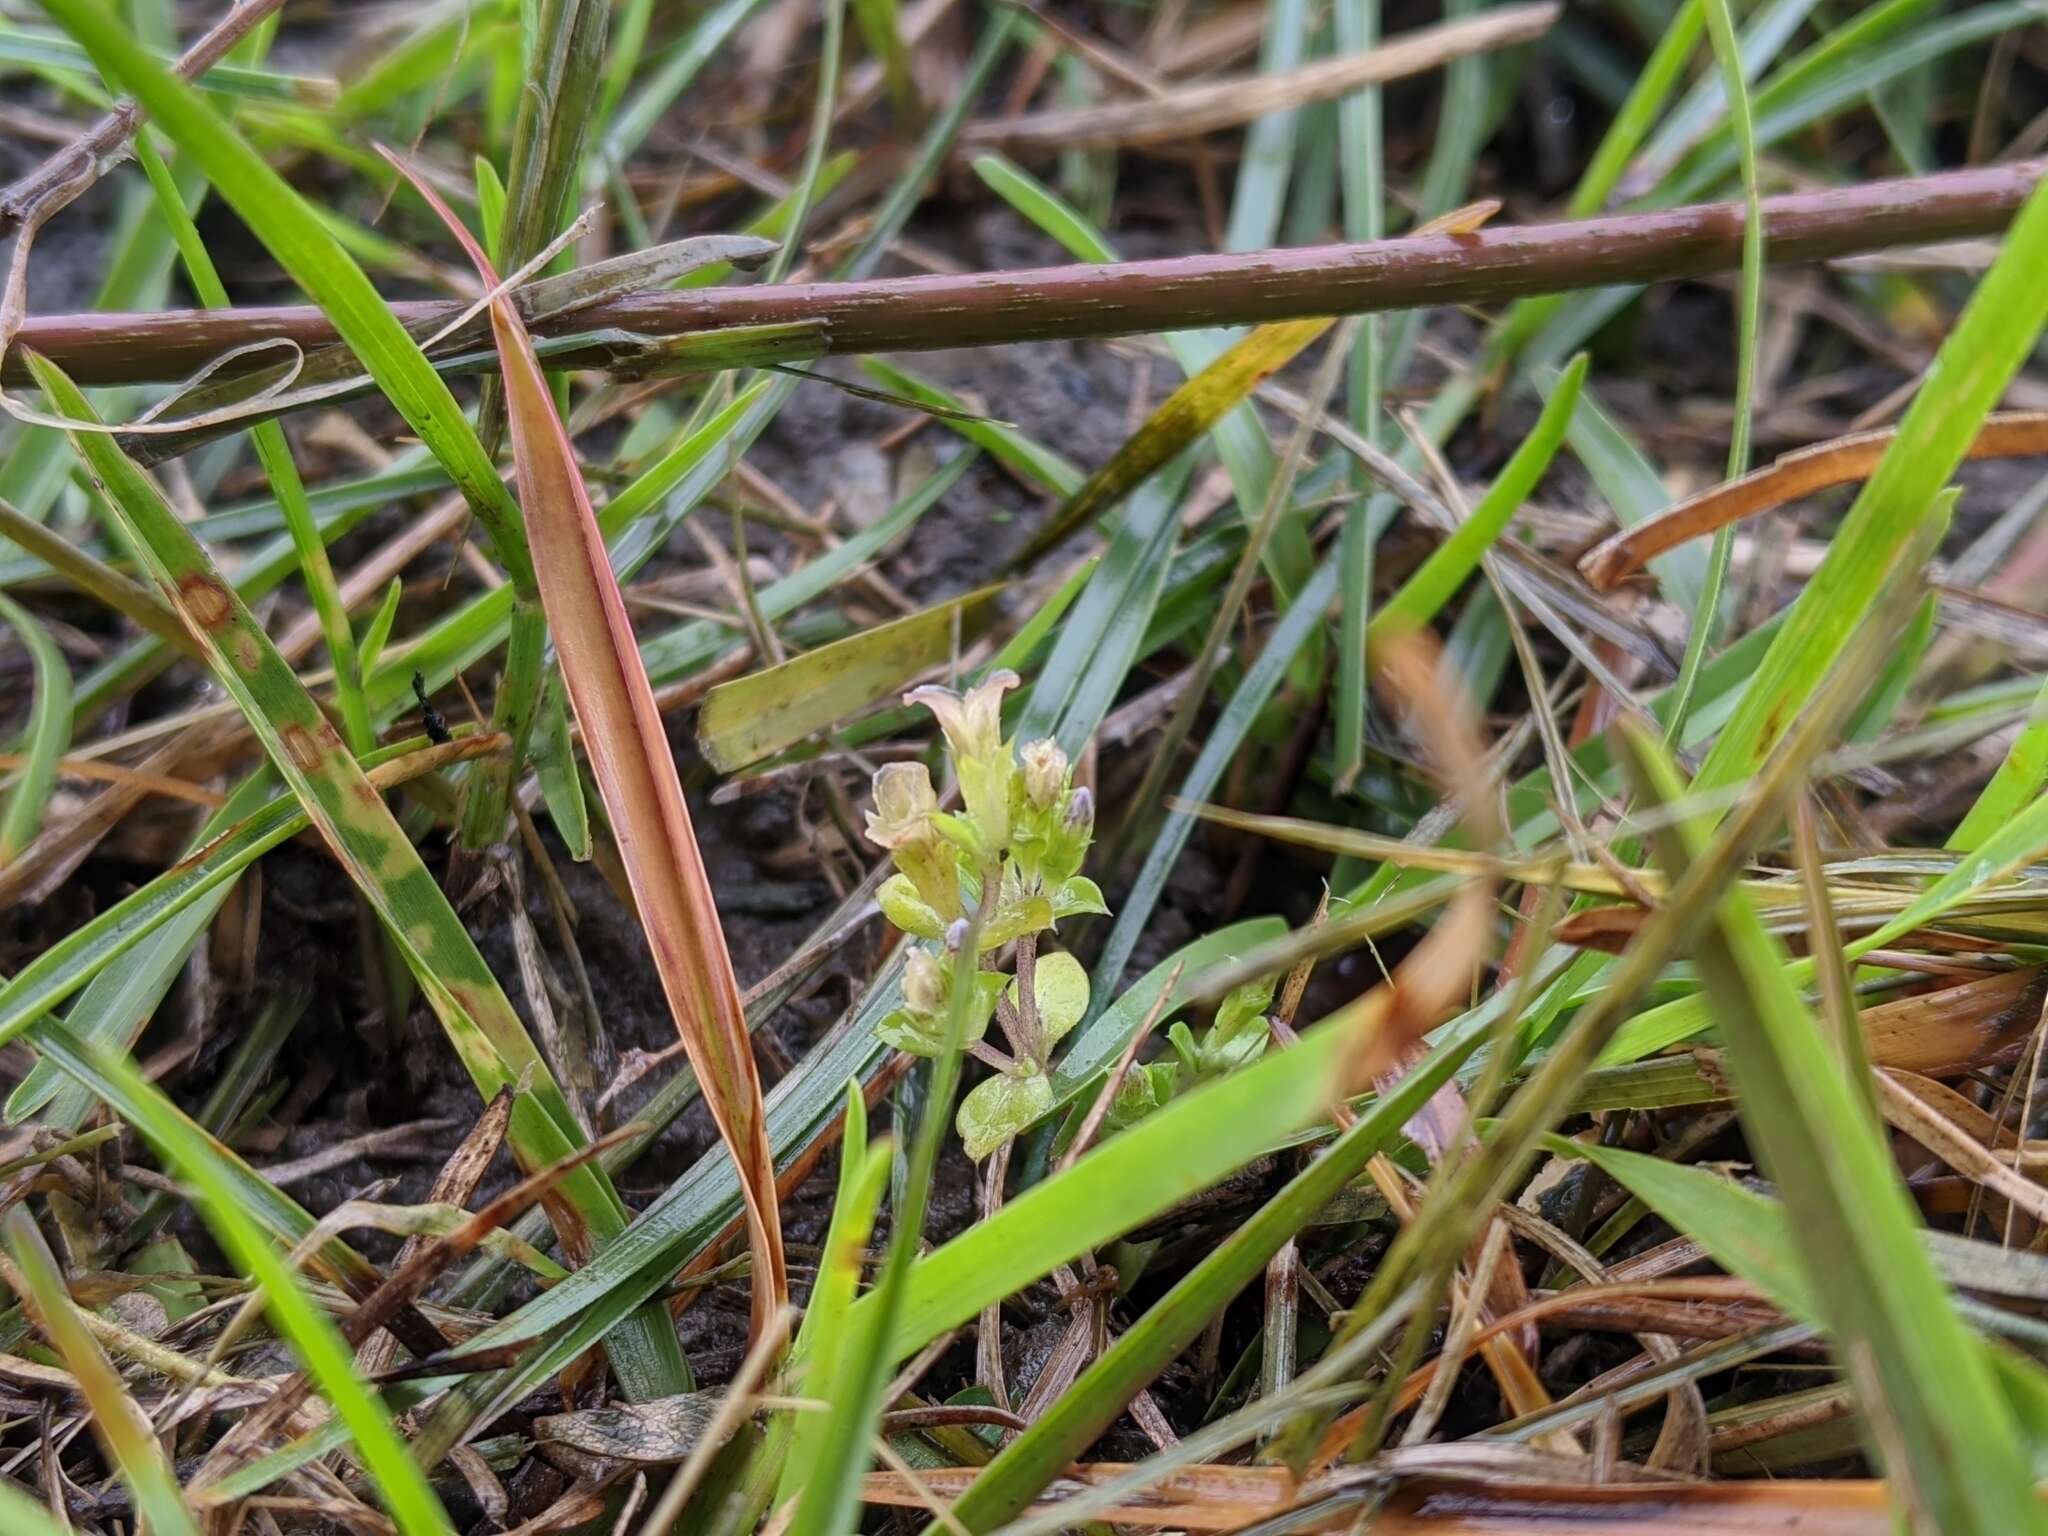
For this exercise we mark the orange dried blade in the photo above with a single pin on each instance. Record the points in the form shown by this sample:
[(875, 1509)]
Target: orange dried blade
[(1801, 473), (1467, 220), (635, 772)]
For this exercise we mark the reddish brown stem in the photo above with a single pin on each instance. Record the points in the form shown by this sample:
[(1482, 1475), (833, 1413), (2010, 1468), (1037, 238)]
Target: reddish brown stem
[(990, 308)]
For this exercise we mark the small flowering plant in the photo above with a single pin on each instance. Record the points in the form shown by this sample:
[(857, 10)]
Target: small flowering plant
[(1013, 851), (1237, 1037)]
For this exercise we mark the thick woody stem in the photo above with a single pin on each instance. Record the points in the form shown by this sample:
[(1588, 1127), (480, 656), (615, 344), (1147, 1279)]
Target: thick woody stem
[(1122, 298)]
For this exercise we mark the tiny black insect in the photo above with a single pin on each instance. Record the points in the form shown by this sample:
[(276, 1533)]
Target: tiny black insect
[(435, 722)]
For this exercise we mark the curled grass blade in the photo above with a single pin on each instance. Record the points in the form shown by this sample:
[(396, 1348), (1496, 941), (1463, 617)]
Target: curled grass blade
[(627, 746)]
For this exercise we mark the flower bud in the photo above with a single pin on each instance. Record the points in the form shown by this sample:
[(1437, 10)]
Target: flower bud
[(924, 983), (956, 936), (1045, 772), (973, 721), (904, 802), (1081, 812)]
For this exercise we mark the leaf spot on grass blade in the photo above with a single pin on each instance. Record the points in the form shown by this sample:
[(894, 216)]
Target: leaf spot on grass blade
[(302, 746), (205, 599)]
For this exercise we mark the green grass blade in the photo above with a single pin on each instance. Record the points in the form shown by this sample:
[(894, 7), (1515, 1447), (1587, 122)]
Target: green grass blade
[(287, 227), (275, 454), (1239, 435), (47, 735), (1995, 334), (2018, 780), (305, 247), (1916, 1370), (1706, 614), (827, 1343), (1065, 1431), (1097, 644), (352, 818), (1030, 460), (1043, 207), (1260, 680), (1359, 127), (81, 954), (117, 1420), (881, 27), (1202, 404), (756, 716), (1634, 490), (1653, 87), (120, 999), (25, 1515), (401, 1484), (1424, 593)]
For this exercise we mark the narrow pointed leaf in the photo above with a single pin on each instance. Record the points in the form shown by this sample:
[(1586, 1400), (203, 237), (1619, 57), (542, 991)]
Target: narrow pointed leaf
[(636, 775)]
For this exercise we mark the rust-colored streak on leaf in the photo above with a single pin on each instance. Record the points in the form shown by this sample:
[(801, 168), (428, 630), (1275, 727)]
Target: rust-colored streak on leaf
[(636, 775), (1841, 461)]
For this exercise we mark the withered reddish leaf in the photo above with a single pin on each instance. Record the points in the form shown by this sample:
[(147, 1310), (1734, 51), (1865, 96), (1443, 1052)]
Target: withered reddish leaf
[(636, 775)]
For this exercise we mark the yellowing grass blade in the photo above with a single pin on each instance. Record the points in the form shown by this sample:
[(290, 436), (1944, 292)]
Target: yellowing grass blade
[(636, 775), (1186, 414), (756, 716)]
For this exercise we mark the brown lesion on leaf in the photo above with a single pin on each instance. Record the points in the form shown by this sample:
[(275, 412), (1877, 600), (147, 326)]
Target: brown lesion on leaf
[(205, 599), (302, 746)]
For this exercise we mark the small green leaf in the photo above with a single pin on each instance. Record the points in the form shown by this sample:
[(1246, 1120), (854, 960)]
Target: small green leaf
[(1000, 1108), (1061, 987), (1017, 913), (1244, 1004), (907, 910), (914, 1034), (1079, 897)]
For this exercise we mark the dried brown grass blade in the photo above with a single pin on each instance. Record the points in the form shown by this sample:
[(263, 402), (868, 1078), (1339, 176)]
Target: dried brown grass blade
[(1953, 1029), (1226, 1498), (636, 775), (1435, 975), (1840, 461), (1236, 100)]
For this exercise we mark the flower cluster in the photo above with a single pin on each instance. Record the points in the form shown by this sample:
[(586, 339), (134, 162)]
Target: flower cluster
[(1013, 851)]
